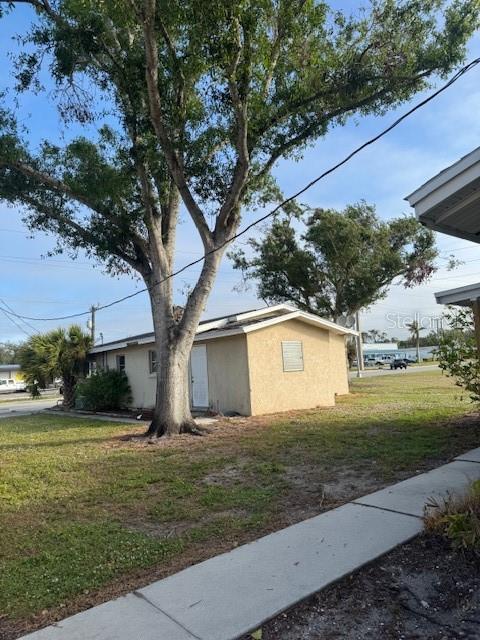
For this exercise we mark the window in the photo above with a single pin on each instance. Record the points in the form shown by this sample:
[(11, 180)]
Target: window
[(292, 354), (120, 363), (152, 361)]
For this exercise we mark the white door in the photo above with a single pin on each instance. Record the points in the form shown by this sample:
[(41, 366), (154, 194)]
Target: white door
[(199, 376)]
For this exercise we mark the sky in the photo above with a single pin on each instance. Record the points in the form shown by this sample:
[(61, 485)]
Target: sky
[(383, 174)]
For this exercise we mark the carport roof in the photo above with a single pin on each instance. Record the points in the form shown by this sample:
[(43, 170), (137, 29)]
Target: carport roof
[(450, 201)]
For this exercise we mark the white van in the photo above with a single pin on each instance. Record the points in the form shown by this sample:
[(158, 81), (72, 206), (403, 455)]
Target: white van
[(9, 385)]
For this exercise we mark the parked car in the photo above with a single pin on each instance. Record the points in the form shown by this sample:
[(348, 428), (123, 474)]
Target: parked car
[(398, 364), (10, 385)]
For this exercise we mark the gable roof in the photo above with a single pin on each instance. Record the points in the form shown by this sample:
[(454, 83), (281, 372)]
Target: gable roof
[(236, 324)]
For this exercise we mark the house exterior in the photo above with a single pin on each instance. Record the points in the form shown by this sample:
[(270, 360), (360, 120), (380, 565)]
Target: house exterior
[(256, 362)]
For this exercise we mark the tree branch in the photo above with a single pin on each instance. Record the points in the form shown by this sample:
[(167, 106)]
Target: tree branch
[(174, 163), (239, 101)]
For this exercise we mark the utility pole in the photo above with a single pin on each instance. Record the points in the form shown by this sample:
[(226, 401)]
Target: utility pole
[(360, 365), (91, 322)]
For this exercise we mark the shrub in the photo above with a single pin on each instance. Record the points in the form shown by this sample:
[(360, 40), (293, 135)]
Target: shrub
[(458, 353), (104, 390), (458, 519)]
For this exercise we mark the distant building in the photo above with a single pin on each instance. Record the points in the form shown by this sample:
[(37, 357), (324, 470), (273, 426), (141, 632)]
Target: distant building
[(11, 378), (379, 346)]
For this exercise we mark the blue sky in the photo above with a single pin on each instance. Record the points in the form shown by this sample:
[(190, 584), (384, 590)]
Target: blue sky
[(384, 174)]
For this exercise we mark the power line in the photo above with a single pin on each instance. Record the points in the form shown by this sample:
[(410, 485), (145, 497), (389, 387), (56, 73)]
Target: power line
[(468, 67), (7, 315), (27, 324)]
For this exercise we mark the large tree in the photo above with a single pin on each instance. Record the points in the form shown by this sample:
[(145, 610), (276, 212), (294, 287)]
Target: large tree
[(57, 354), (202, 100), (344, 261)]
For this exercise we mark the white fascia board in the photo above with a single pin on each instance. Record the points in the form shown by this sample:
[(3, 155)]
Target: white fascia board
[(460, 295), (266, 311), (308, 318), (219, 334), (214, 324), (445, 176), (122, 344)]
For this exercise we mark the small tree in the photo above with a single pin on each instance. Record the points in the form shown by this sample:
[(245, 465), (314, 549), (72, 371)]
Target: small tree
[(458, 352), (345, 260), (58, 353), (415, 329)]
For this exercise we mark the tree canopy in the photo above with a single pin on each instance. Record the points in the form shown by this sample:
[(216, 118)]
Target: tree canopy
[(343, 262), (9, 352)]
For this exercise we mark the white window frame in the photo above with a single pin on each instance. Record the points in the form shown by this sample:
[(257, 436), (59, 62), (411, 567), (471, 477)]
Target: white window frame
[(152, 361), (117, 362), (288, 368)]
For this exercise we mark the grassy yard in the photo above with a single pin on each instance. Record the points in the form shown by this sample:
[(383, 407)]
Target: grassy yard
[(86, 515)]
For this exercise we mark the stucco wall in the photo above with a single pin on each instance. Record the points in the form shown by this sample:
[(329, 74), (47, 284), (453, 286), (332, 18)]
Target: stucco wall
[(228, 388), (272, 388), (338, 364), (228, 384), (136, 367), (245, 372)]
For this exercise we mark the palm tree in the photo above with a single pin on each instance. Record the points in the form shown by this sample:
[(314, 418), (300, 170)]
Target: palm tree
[(415, 327), (58, 353)]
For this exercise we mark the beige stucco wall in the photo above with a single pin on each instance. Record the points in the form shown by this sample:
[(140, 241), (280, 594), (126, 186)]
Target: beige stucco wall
[(273, 389), (228, 388), (143, 383), (338, 364), (245, 372), (228, 384)]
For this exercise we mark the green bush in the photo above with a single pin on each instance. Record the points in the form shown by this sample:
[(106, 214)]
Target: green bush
[(104, 390), (458, 519)]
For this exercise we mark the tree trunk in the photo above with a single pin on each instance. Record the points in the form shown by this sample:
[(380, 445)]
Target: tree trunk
[(69, 384), (174, 337), (172, 406)]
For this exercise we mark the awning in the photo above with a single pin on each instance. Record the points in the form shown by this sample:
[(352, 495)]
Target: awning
[(450, 201)]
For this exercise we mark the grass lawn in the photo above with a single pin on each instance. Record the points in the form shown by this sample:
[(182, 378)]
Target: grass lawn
[(85, 515)]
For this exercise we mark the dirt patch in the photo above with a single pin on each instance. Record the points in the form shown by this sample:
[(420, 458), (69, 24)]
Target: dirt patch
[(424, 590), (227, 476)]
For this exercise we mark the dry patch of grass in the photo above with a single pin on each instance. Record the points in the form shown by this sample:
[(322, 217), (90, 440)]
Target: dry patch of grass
[(86, 515)]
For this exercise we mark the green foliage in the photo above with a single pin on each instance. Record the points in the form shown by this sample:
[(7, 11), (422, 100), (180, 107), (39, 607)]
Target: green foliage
[(58, 353), (105, 390), (458, 518), (343, 262), (241, 86), (9, 352), (458, 353)]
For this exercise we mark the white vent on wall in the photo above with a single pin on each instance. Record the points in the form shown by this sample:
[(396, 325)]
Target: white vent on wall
[(292, 354)]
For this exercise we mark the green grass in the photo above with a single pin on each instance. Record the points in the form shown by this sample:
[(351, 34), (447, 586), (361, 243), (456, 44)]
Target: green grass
[(81, 510)]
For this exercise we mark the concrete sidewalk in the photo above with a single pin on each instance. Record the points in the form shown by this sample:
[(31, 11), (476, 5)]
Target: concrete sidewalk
[(229, 595)]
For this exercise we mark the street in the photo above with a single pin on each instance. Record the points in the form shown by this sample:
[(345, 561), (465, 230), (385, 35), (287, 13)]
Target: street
[(27, 406), (371, 373)]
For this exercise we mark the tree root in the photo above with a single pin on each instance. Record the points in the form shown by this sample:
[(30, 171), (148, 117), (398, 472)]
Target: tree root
[(406, 593)]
